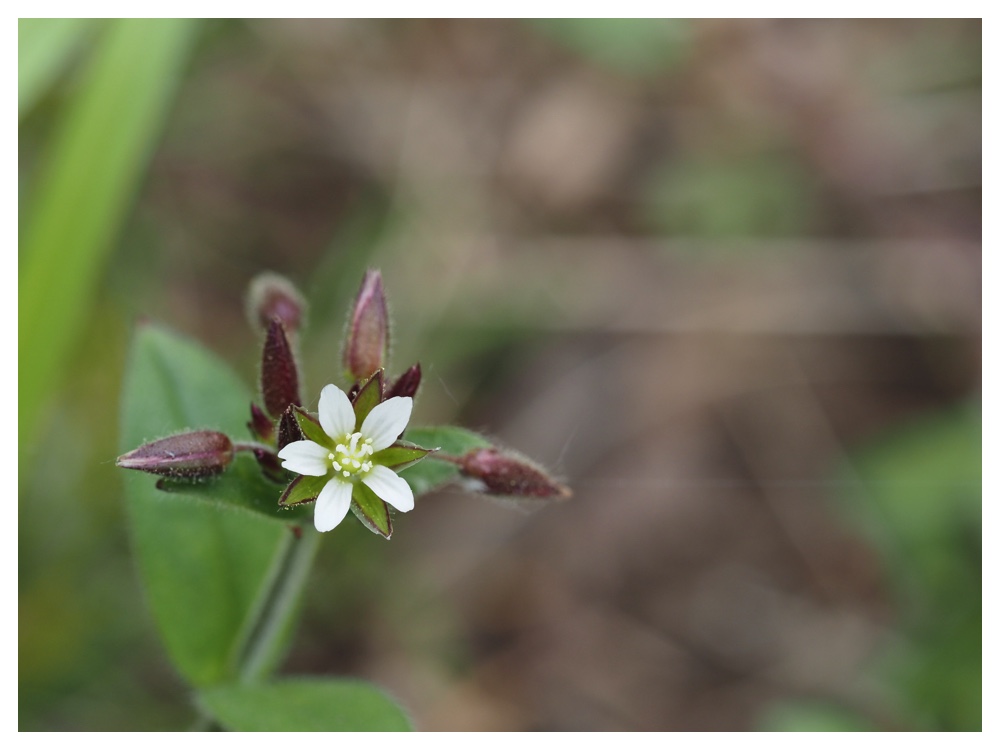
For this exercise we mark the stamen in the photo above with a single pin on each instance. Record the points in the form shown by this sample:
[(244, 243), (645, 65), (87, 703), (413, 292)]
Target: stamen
[(337, 467), (347, 473)]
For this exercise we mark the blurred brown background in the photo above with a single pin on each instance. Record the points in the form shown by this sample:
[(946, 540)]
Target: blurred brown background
[(700, 269)]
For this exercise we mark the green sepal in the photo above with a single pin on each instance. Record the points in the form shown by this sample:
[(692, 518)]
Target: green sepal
[(401, 455), (302, 489), (368, 397), (311, 428), (371, 510)]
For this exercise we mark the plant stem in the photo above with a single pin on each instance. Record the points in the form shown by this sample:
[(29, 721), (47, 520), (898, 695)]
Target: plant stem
[(276, 605), (249, 446)]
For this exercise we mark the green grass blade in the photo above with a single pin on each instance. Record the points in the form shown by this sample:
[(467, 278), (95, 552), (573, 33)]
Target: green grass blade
[(44, 46), (95, 166)]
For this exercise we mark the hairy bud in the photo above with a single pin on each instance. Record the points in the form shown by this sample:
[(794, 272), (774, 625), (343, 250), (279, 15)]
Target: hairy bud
[(189, 455), (407, 383), (260, 425), (503, 473), (272, 296), (279, 375), (368, 329)]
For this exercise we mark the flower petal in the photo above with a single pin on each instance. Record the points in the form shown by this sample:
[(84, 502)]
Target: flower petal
[(387, 421), (391, 487), (336, 415), (305, 457), (332, 505)]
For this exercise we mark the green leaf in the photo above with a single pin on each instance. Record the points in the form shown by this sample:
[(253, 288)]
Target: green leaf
[(453, 441), (371, 510), (242, 486), (44, 48), (202, 563), (304, 705), (91, 177)]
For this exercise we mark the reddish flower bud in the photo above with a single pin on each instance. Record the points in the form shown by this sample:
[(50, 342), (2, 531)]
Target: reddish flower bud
[(502, 473), (279, 375), (261, 426), (272, 296), (368, 329), (270, 464), (407, 383), (190, 455)]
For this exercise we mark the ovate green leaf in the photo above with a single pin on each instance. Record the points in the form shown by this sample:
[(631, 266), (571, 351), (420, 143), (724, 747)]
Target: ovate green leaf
[(432, 473), (202, 564)]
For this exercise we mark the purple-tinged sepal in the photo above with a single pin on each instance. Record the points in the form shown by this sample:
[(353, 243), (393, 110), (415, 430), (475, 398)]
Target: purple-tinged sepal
[(260, 425), (270, 464), (368, 329), (272, 296), (499, 472), (288, 428), (406, 384), (189, 455), (279, 375)]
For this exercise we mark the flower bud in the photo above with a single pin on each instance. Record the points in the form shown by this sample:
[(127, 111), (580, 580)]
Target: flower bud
[(279, 375), (270, 464), (272, 296), (189, 455), (407, 383), (260, 425), (503, 473), (368, 329)]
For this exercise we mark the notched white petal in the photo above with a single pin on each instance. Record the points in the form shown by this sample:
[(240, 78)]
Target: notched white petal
[(332, 505), (305, 457), (387, 421), (391, 487), (336, 415)]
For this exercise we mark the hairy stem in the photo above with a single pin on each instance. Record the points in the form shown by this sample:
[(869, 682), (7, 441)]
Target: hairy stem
[(275, 609)]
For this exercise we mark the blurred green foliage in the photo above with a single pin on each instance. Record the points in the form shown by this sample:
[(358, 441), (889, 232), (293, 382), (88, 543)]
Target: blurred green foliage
[(633, 46), (920, 503), (811, 717), (922, 506), (89, 180), (756, 195), (305, 705), (45, 47)]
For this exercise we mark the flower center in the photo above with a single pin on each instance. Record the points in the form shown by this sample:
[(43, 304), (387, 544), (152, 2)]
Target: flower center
[(349, 456)]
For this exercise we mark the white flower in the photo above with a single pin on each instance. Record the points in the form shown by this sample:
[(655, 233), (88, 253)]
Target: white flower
[(347, 456)]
